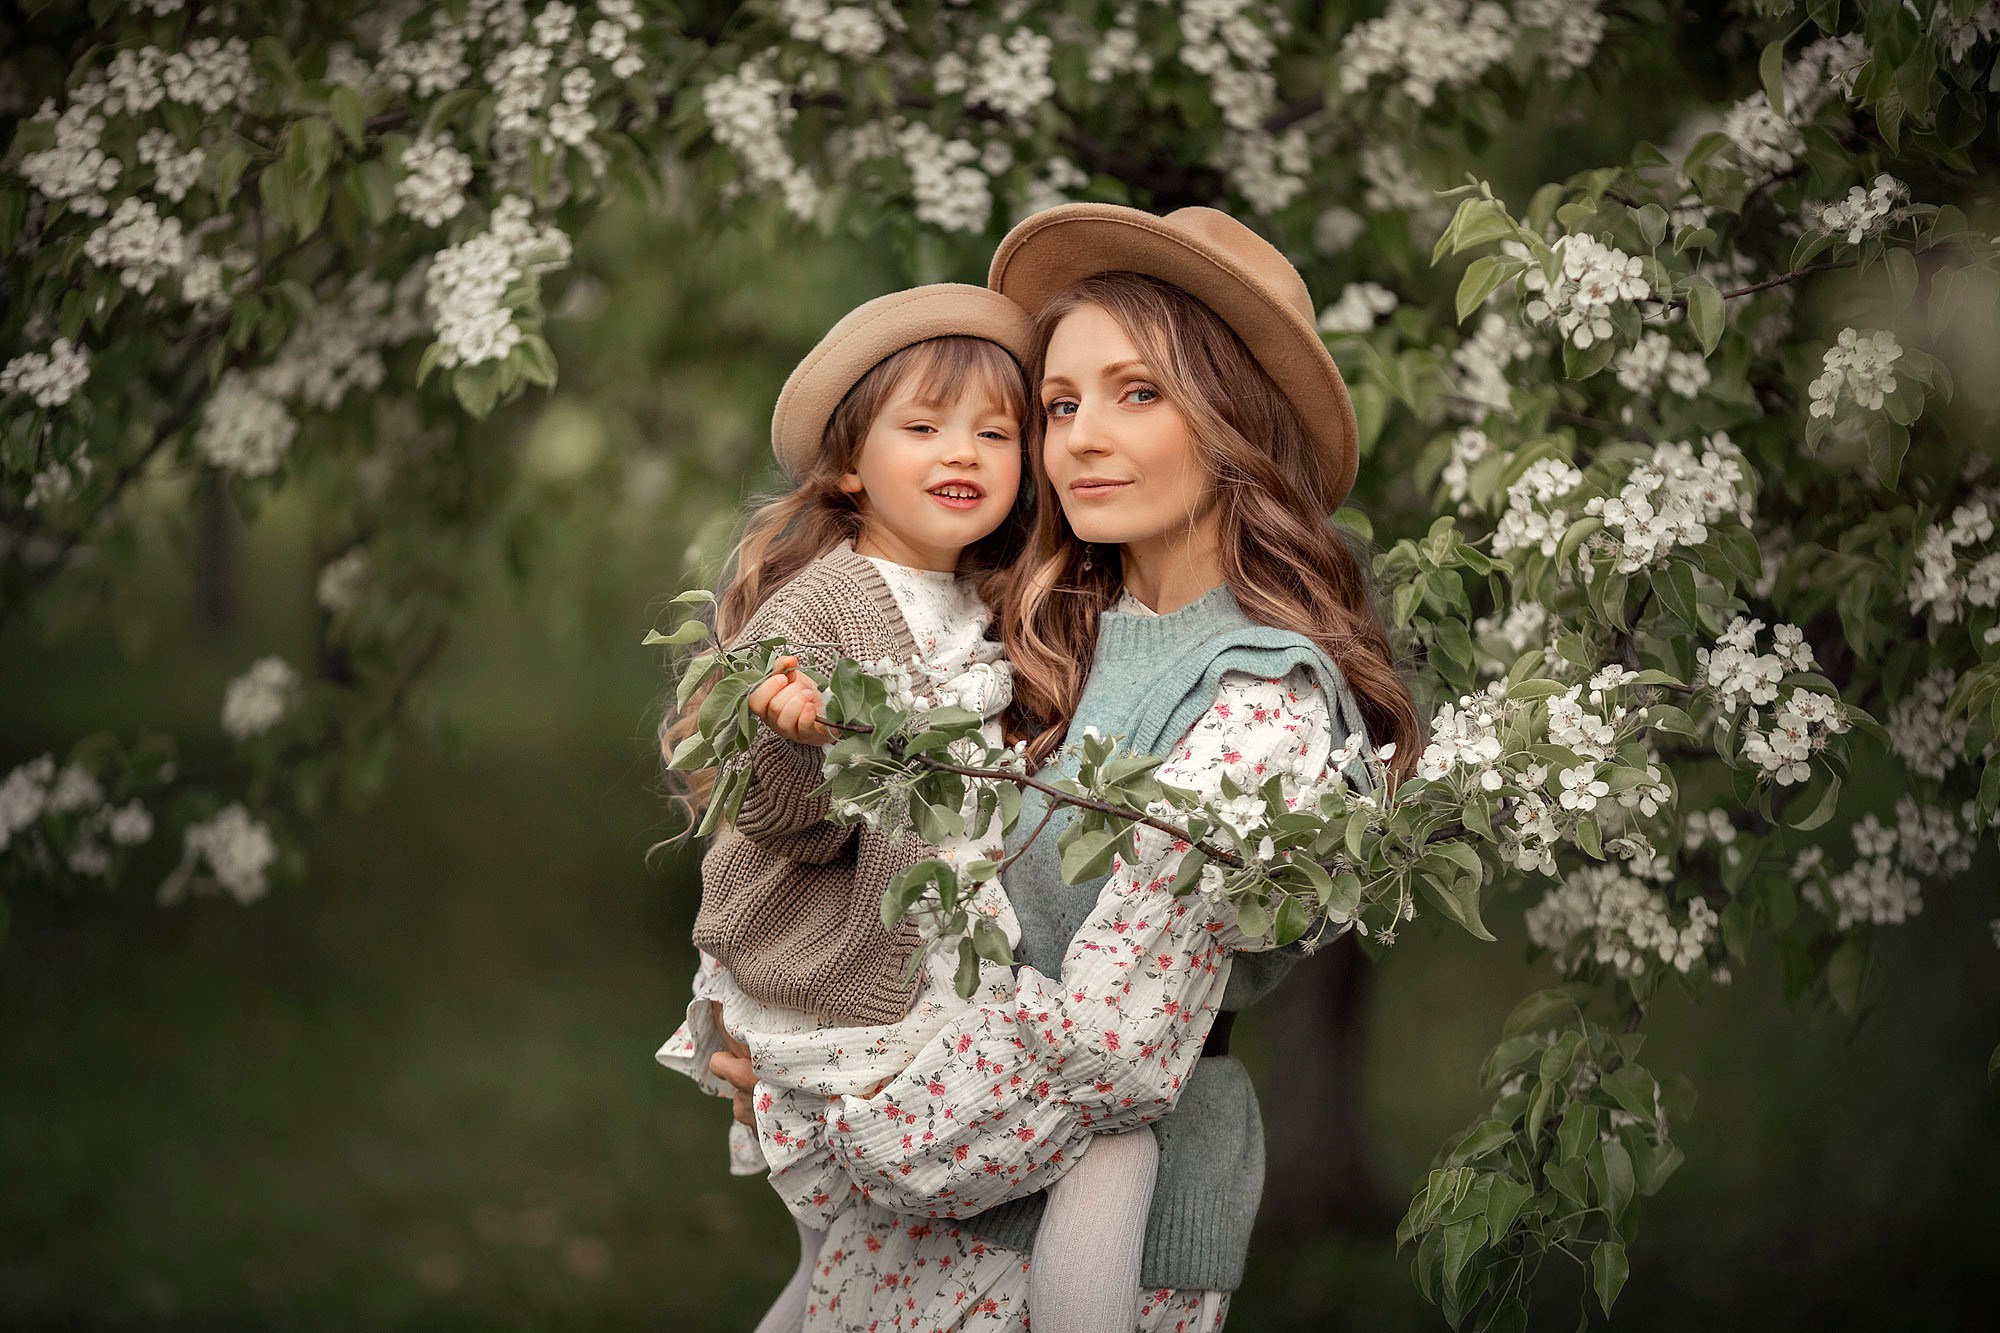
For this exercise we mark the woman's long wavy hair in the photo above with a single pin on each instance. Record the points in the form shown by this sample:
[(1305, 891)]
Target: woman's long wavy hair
[(1287, 566), (785, 533)]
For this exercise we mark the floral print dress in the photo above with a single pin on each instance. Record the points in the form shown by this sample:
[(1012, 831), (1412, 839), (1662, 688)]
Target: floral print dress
[(1014, 1088)]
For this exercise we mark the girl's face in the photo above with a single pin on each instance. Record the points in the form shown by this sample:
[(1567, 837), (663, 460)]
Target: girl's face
[(1119, 455), (933, 478)]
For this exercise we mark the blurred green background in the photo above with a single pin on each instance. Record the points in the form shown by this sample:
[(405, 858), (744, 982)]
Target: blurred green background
[(415, 1088)]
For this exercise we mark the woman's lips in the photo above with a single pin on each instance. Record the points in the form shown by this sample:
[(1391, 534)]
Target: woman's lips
[(1096, 488)]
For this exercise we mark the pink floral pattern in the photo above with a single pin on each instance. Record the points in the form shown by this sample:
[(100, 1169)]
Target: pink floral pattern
[(1008, 1093)]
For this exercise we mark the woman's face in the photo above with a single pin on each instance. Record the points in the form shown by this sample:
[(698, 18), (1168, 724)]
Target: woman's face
[(1119, 455)]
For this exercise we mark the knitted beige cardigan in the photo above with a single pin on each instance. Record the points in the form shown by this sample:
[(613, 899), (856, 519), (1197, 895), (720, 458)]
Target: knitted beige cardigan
[(791, 903)]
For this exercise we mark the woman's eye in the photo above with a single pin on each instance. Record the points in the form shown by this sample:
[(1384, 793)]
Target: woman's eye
[(1061, 407), (1140, 393)]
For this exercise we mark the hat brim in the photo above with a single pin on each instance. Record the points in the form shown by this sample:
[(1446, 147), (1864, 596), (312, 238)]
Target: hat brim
[(874, 331), (1053, 250)]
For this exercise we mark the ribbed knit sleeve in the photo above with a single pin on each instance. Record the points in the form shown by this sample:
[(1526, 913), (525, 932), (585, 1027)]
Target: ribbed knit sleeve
[(1008, 1093), (783, 799)]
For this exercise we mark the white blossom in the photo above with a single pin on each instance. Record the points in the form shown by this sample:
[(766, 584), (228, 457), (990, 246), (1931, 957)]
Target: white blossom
[(1336, 229), (234, 850), (1922, 733), (75, 170), (343, 579), (24, 795), (1388, 182), (130, 824), (1482, 361), (259, 699), (75, 789), (1604, 914), (1859, 368), (952, 193), (1581, 788), (749, 111), (50, 378), (1424, 45), (1645, 365), (174, 171), (143, 246), (435, 175), (1670, 501), (1529, 524), (1592, 279), (1360, 306), (1012, 75), (1864, 212), (1268, 170), (1574, 27), (211, 73), (243, 429)]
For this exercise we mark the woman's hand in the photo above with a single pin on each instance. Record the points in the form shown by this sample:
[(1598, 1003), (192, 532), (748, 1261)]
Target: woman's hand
[(732, 1066), (788, 703)]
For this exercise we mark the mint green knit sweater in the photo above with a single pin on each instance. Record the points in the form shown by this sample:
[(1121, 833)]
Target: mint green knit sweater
[(1151, 680)]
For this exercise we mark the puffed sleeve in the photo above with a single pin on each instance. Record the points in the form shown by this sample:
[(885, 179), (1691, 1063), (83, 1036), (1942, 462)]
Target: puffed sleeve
[(1008, 1093)]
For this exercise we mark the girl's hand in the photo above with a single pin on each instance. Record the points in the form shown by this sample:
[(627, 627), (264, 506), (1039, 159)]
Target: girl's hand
[(732, 1066), (788, 703)]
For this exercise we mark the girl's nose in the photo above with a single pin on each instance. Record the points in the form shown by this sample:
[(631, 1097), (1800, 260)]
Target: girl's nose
[(960, 448)]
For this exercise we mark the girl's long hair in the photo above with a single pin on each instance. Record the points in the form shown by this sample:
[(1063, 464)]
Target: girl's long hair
[(785, 533), (1287, 566)]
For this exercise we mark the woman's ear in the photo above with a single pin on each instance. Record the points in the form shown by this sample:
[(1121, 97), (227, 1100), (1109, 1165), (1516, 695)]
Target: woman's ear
[(850, 482)]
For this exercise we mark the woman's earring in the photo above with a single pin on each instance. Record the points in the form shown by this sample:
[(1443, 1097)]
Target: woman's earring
[(1087, 562)]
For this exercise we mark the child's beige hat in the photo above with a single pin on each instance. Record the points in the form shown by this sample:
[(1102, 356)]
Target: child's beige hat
[(879, 329), (1223, 264)]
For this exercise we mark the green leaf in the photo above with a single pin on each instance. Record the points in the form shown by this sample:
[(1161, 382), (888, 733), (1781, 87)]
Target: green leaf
[(1252, 917), (1482, 278), (1483, 1138), (1668, 718), (1503, 1204), (1634, 1090), (990, 942), (1611, 1172), (1458, 900), (1578, 1132), (1608, 1270), (345, 105), (693, 677), (966, 979), (1580, 363), (1538, 1011), (1295, 918), (1822, 809), (1188, 877), (1652, 220), (1088, 855), (1771, 69), (1675, 587), (687, 632), (1705, 313)]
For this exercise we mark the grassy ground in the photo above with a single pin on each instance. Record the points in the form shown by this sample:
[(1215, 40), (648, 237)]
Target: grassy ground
[(416, 1090)]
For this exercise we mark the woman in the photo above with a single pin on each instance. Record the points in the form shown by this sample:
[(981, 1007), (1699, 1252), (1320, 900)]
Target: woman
[(1183, 591)]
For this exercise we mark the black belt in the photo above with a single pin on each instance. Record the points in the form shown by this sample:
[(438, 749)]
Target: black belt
[(1218, 1036)]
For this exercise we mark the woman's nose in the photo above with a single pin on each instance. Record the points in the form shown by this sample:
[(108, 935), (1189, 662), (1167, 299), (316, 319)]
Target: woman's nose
[(1080, 432)]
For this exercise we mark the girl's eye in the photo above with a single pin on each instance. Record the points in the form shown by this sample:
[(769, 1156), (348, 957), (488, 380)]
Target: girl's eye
[(922, 428), (997, 436)]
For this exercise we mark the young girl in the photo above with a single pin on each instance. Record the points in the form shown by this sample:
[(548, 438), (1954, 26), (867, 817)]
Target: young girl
[(902, 430)]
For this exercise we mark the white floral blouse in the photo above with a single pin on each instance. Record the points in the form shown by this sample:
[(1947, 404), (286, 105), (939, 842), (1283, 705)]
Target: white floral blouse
[(1011, 1090)]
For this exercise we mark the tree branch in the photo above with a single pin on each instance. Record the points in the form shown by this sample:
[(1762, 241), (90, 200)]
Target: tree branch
[(1680, 302)]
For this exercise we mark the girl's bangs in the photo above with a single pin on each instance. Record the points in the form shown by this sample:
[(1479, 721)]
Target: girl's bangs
[(942, 371)]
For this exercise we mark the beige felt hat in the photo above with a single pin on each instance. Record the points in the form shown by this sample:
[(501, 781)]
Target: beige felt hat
[(874, 331), (1227, 267)]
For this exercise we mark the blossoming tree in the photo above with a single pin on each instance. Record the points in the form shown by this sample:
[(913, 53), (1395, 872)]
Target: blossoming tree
[(1665, 324)]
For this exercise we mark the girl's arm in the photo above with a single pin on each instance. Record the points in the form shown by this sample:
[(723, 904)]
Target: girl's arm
[(1004, 1097), (785, 809)]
